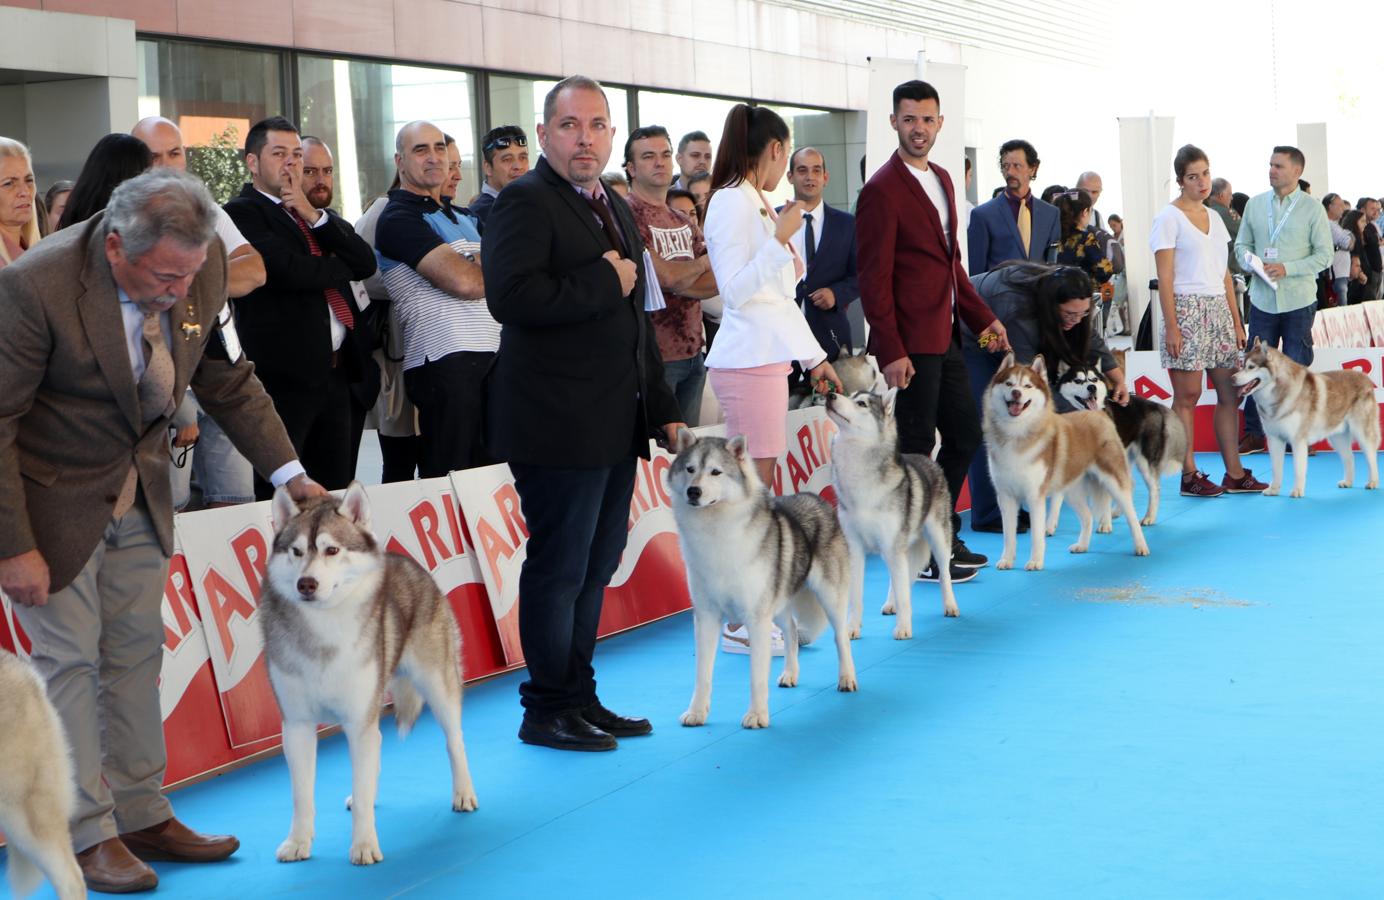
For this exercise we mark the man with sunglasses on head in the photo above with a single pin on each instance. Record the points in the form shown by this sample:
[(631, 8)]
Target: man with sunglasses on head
[(505, 152)]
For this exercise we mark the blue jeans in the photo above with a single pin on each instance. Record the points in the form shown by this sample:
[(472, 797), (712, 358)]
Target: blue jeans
[(985, 510), (1294, 329), (687, 379)]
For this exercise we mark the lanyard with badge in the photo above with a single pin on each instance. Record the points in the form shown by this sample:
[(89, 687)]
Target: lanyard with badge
[(1271, 251)]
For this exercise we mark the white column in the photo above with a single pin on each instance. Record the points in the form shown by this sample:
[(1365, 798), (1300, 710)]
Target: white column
[(1146, 170)]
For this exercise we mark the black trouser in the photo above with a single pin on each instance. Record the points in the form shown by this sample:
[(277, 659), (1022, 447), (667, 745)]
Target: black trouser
[(318, 423), (448, 393), (939, 399), (577, 520), (400, 458)]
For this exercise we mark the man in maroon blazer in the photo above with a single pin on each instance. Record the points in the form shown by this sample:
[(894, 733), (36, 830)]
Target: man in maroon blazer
[(913, 289)]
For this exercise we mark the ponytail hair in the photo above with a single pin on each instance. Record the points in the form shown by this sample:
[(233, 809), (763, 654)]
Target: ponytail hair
[(749, 131)]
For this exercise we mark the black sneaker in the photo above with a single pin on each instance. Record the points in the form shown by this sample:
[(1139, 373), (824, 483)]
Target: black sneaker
[(958, 574), (997, 526), (964, 557)]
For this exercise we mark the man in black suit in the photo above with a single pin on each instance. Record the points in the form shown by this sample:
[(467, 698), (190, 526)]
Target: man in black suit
[(576, 391), (826, 243), (298, 328)]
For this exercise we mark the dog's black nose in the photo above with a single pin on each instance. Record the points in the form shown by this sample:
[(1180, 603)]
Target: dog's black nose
[(694, 493), (307, 586), (1092, 390)]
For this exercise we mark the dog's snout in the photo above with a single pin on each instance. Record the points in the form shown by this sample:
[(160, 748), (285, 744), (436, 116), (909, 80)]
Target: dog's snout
[(1091, 389), (694, 493), (307, 586), (1016, 394)]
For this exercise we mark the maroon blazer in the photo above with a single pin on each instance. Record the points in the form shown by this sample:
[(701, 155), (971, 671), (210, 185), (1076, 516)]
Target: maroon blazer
[(908, 269)]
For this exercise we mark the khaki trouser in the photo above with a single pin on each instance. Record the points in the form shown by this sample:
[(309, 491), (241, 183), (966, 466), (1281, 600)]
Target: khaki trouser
[(99, 645)]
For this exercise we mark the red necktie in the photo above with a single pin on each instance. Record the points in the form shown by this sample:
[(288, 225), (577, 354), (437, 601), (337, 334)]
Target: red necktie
[(338, 303)]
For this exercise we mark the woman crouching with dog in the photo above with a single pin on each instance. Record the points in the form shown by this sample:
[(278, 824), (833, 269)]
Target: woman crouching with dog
[(1202, 331), (1047, 310)]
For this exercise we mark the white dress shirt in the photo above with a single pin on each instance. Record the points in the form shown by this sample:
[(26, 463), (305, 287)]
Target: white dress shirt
[(338, 329)]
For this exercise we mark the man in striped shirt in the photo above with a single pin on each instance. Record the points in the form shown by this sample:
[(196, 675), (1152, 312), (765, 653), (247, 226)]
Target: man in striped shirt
[(429, 255)]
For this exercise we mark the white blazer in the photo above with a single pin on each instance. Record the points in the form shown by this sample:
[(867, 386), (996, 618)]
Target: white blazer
[(761, 323)]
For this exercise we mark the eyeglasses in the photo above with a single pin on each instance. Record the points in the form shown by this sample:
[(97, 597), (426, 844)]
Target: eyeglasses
[(505, 142), (1073, 318)]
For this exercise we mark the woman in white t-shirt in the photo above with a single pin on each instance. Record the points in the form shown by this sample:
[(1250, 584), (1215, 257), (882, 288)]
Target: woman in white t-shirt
[(1202, 331)]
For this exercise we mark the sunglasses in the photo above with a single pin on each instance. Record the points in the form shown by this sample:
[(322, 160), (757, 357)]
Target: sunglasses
[(504, 143)]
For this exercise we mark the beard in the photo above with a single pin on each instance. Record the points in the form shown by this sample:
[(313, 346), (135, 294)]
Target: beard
[(320, 197)]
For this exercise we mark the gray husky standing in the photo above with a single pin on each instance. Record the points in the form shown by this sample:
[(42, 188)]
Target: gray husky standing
[(895, 505), (343, 622), (37, 794), (756, 559)]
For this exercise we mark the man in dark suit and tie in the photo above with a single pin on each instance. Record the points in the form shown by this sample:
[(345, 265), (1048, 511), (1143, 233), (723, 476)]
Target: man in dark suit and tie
[(299, 328), (826, 243), (914, 289), (102, 327), (1014, 224), (575, 393)]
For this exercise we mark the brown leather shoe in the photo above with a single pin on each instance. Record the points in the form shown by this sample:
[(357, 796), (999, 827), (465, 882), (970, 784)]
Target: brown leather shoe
[(110, 868), (172, 841)]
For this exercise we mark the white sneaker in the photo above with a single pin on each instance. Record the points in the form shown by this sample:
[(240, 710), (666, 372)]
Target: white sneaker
[(738, 640)]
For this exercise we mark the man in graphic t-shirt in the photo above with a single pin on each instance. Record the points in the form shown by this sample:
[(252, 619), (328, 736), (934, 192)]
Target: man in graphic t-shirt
[(680, 262)]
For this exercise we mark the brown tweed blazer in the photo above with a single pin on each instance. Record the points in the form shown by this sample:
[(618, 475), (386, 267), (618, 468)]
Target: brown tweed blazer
[(69, 409)]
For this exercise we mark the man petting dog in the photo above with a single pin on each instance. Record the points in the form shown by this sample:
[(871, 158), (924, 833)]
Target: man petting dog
[(576, 388), (102, 328)]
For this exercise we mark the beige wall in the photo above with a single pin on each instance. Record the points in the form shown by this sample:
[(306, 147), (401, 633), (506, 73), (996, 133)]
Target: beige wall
[(730, 47)]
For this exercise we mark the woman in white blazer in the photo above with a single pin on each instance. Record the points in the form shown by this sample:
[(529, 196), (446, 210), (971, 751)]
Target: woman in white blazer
[(762, 329)]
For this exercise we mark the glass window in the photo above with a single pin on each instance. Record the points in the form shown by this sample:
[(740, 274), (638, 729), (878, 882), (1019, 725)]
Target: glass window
[(358, 108), (214, 94), (684, 113), (519, 101), (824, 130)]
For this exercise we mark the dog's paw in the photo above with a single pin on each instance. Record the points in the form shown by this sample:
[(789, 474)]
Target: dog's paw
[(949, 609), (1297, 493), (903, 632), (1371, 485), (366, 852), (1005, 563), (1104, 528), (465, 800), (846, 684), (888, 608), (755, 719), (294, 849), (788, 680), (693, 717), (1141, 549), (1078, 547), (1052, 529), (1270, 491), (855, 633), (1343, 484), (1033, 565), (1148, 520)]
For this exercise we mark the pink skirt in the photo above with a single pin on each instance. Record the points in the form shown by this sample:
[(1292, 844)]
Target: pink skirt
[(755, 402)]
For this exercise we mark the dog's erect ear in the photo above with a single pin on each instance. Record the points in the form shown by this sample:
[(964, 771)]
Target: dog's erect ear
[(1007, 361), (283, 509), (684, 439), (356, 505), (1062, 368), (888, 400), (1039, 367), (738, 447), (1258, 343)]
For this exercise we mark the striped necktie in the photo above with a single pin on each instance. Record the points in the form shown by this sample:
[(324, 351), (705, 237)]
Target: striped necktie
[(335, 300), (155, 390)]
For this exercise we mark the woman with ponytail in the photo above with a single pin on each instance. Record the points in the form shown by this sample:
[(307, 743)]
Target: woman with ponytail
[(762, 329)]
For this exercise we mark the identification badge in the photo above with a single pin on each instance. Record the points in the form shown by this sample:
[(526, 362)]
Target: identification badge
[(229, 339), (1270, 254)]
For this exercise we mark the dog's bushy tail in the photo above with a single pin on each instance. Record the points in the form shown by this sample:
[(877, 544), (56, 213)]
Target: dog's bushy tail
[(25, 876), (408, 704), (811, 618)]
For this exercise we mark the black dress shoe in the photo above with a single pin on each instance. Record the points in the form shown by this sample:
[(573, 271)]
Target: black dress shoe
[(610, 723), (997, 526), (565, 731)]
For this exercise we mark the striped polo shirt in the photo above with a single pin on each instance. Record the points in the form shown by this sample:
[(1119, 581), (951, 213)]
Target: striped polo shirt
[(434, 322)]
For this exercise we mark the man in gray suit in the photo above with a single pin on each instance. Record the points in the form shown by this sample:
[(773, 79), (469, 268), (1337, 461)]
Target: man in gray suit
[(102, 327)]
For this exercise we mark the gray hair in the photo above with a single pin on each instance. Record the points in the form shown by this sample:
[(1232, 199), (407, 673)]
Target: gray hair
[(161, 203), (1219, 186), (571, 83)]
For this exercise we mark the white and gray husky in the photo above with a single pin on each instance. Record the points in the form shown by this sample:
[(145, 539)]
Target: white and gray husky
[(343, 622), (1298, 406), (37, 795), (1152, 434), (756, 559), (895, 505)]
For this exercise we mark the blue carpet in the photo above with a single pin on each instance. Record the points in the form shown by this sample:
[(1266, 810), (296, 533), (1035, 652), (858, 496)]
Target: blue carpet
[(1202, 723)]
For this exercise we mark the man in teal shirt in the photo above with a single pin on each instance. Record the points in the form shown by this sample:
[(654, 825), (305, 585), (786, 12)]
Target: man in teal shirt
[(1286, 229)]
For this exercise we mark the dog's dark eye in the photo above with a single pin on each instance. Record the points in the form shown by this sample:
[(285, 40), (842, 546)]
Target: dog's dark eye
[(332, 551), (715, 472), (297, 552), (861, 403), (691, 468)]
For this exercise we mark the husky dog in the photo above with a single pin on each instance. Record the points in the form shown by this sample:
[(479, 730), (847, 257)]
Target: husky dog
[(895, 505), (1299, 406), (36, 788), (343, 622), (857, 373), (1034, 454), (1152, 435), (756, 559)]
